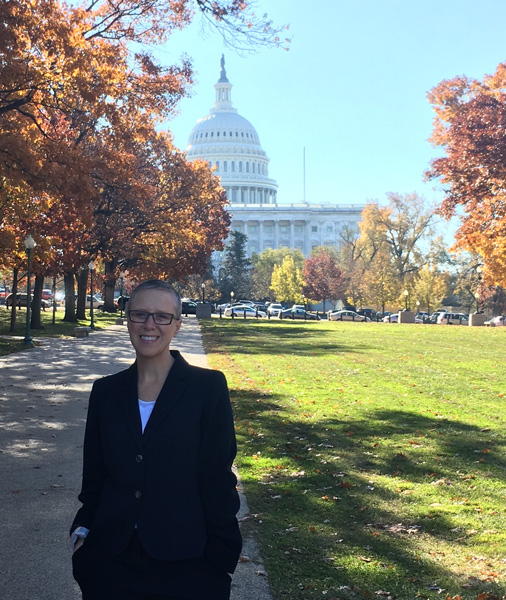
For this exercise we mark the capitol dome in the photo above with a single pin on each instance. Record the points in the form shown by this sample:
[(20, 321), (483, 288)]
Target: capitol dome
[(230, 143)]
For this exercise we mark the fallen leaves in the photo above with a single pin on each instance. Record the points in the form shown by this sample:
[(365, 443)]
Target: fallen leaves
[(397, 528)]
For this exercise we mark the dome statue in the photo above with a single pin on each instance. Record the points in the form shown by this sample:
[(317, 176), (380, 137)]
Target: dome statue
[(230, 143)]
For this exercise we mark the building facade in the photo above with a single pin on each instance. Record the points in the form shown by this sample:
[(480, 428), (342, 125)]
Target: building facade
[(230, 143)]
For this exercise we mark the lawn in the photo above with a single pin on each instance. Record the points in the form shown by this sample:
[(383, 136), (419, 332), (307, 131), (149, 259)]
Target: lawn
[(372, 455), (10, 344)]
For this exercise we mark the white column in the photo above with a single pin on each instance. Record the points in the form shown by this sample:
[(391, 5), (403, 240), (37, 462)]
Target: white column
[(307, 234), (291, 239), (260, 236), (276, 234)]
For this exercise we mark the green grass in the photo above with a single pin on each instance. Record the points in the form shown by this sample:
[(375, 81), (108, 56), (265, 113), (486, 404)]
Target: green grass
[(372, 455), (9, 344)]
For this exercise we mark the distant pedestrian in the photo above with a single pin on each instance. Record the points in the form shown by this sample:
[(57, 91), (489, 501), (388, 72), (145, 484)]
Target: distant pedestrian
[(159, 500)]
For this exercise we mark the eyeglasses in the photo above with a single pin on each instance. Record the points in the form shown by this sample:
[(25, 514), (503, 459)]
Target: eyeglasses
[(142, 316)]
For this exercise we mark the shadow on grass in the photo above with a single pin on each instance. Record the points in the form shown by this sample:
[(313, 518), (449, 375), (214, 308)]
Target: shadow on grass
[(312, 491), (265, 339)]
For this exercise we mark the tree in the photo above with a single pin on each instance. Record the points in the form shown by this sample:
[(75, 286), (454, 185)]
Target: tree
[(323, 279), (470, 124), (388, 252), (401, 225), (379, 285), (235, 273), (430, 288), (263, 265), (79, 112), (287, 282), (470, 285)]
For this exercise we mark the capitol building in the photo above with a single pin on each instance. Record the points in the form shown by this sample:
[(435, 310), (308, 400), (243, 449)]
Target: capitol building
[(230, 143)]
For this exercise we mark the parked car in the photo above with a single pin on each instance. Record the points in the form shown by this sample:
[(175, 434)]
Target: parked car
[(499, 321), (98, 303), (274, 308), (240, 310), (448, 318), (346, 315), (188, 307), (434, 316), (47, 294), (391, 318), (367, 312), (21, 300), (298, 313)]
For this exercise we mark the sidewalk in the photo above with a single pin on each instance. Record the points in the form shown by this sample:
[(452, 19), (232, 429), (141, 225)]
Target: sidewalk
[(43, 400)]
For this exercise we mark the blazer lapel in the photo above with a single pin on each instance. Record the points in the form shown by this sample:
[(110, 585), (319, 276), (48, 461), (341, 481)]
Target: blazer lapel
[(131, 401), (170, 395)]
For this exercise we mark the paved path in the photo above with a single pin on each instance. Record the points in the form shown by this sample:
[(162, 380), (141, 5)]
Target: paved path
[(43, 400)]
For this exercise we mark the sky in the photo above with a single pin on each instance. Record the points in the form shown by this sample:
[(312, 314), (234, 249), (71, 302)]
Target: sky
[(351, 90)]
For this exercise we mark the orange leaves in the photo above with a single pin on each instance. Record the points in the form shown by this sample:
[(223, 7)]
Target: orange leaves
[(470, 124)]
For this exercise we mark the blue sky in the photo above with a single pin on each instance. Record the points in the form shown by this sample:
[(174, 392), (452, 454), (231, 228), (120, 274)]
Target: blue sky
[(351, 89)]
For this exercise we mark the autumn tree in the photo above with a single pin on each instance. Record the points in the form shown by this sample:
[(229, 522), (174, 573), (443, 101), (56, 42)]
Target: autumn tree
[(323, 278), (470, 125), (263, 265), (287, 281), (379, 285), (79, 109), (401, 225), (388, 251), (430, 287)]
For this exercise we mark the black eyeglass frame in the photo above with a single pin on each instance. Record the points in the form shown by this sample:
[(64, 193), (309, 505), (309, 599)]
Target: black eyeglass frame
[(150, 314)]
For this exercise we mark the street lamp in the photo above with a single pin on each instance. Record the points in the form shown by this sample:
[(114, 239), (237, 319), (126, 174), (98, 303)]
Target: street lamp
[(406, 295), (29, 246), (121, 299), (91, 267), (203, 288), (231, 298)]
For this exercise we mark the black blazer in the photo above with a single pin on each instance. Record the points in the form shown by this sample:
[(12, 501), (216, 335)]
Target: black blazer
[(174, 481)]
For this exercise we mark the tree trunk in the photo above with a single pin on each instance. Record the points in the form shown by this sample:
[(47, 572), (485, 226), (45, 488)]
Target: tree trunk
[(35, 320), (82, 284), (53, 321), (14, 290), (109, 285), (70, 301)]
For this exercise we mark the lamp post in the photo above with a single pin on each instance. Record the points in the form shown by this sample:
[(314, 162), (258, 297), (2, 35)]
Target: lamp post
[(91, 267), (29, 246), (477, 293), (121, 299), (406, 295), (203, 288), (231, 298)]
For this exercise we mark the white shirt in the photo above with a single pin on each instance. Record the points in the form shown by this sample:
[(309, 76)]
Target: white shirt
[(145, 409)]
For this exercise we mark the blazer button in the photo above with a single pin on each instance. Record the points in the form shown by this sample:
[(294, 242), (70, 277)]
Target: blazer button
[(139, 458), (138, 494)]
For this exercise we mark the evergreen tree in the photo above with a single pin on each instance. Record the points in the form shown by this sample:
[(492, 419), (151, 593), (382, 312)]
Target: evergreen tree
[(235, 272)]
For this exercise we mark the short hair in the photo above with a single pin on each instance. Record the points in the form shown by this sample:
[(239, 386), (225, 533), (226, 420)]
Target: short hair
[(157, 284)]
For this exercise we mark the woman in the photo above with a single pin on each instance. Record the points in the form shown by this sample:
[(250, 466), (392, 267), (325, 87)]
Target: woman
[(158, 519)]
